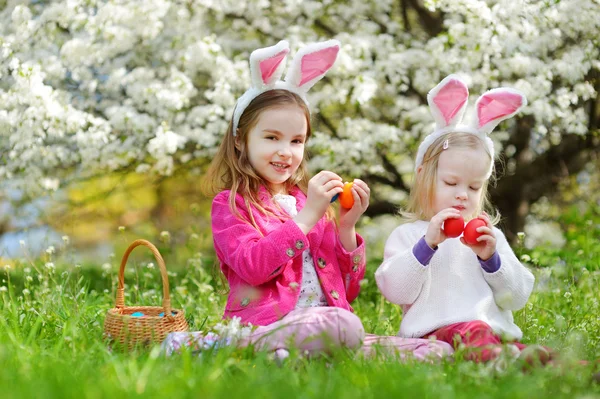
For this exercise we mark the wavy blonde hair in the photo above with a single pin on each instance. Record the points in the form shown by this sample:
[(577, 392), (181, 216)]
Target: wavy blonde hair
[(422, 193), (230, 169)]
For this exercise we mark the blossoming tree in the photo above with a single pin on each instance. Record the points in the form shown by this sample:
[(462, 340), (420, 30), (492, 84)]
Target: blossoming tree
[(91, 86)]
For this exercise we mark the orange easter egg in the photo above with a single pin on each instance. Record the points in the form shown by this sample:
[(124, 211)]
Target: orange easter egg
[(346, 198)]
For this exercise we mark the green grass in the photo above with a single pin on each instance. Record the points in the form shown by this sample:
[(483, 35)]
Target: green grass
[(52, 319)]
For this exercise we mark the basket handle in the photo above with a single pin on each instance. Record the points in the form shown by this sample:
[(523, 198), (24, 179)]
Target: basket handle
[(163, 272)]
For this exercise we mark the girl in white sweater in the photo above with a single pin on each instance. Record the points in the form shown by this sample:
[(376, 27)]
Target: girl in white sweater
[(459, 292)]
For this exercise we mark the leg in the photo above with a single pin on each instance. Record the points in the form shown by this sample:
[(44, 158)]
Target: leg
[(473, 334), (315, 330), (421, 349), (479, 335), (535, 355)]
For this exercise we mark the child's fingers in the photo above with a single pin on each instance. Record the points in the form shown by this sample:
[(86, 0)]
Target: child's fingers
[(332, 184), (486, 218), (442, 215), (486, 238), (485, 230), (324, 176), (358, 200), (451, 210), (333, 191), (360, 192), (462, 240), (361, 184), (449, 213), (356, 196)]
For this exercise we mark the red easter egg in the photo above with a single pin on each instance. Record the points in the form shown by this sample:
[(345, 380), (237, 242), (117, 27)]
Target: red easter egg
[(454, 227), (471, 234)]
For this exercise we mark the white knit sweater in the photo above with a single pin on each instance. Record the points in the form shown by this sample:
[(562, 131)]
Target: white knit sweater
[(453, 287)]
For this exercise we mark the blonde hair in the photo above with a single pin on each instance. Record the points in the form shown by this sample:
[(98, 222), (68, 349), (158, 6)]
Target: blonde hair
[(231, 170), (421, 199)]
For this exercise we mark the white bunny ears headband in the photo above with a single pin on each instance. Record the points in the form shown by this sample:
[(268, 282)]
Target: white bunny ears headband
[(448, 101), (309, 65)]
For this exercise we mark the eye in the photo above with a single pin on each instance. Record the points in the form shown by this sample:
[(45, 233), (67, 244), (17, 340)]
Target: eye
[(298, 141), (450, 184), (475, 188), (271, 138)]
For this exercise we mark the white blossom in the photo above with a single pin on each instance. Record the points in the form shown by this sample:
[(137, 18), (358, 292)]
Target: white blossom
[(233, 330), (90, 85)]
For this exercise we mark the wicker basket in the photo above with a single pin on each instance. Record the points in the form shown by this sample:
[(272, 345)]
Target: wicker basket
[(128, 331)]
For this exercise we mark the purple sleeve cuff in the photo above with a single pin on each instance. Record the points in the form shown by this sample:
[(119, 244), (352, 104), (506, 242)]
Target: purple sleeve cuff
[(492, 264), (423, 252)]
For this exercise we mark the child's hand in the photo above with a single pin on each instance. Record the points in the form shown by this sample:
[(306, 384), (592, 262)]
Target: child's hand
[(321, 189), (435, 235), (361, 193), (487, 241)]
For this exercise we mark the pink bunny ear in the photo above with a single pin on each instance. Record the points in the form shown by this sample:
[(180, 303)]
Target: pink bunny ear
[(269, 66), (448, 101), (496, 105), (312, 63), (266, 64)]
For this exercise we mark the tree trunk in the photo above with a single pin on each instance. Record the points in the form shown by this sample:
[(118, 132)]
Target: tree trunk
[(532, 180)]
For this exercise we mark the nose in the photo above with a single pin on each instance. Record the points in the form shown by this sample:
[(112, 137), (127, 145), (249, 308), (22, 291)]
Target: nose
[(461, 194), (284, 151)]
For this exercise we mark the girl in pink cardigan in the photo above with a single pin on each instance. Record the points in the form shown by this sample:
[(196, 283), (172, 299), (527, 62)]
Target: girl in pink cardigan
[(291, 270)]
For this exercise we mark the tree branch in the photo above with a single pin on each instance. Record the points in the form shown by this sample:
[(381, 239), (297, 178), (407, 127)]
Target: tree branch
[(431, 23), (404, 8), (321, 25), (329, 124), (382, 27), (398, 182)]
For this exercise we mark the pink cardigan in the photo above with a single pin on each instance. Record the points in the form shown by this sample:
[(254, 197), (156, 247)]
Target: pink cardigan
[(265, 272)]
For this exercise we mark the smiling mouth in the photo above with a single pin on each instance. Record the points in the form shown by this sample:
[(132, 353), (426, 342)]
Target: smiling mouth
[(280, 165)]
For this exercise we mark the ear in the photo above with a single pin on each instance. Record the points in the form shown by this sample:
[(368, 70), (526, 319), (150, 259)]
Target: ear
[(448, 101), (237, 142), (266, 64), (311, 63), (496, 105), (419, 169)]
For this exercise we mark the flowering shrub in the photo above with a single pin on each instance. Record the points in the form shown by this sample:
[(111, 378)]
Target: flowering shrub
[(90, 85)]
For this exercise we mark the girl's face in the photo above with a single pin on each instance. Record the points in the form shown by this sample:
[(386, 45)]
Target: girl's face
[(276, 144), (461, 174)]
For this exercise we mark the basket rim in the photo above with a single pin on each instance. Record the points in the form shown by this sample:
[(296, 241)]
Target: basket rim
[(117, 313)]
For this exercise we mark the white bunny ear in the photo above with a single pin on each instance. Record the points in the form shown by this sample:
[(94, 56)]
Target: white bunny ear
[(266, 64), (311, 63), (266, 67), (448, 101), (496, 105)]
